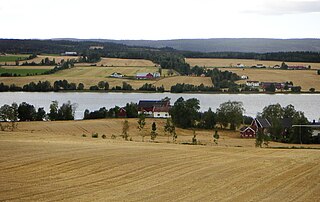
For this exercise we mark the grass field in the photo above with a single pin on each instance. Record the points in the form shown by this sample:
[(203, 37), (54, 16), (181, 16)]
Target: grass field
[(305, 78), (216, 62), (12, 58), (50, 161), (22, 72)]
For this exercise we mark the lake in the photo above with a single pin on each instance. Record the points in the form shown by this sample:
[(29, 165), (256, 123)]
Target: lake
[(253, 103)]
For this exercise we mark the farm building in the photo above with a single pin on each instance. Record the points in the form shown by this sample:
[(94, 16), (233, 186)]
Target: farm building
[(154, 108), (261, 124), (122, 113), (297, 67), (244, 77), (278, 86), (277, 67), (247, 132), (240, 65), (253, 83), (116, 75), (148, 75), (96, 47), (70, 53)]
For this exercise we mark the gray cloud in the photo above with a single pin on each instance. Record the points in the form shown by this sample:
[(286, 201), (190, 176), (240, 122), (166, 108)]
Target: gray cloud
[(287, 7)]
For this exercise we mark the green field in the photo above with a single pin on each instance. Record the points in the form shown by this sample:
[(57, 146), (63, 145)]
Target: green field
[(13, 58), (23, 72)]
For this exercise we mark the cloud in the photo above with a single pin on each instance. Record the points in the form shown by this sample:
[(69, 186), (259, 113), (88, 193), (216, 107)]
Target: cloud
[(285, 7)]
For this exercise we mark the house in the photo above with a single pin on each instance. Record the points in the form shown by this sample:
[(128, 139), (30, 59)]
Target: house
[(260, 66), (261, 124), (116, 75), (247, 132), (240, 65), (154, 108), (122, 113), (244, 77), (96, 47), (297, 67), (278, 86), (147, 75), (253, 83), (276, 67), (70, 54)]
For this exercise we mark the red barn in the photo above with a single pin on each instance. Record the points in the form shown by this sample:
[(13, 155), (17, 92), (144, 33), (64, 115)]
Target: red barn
[(247, 132)]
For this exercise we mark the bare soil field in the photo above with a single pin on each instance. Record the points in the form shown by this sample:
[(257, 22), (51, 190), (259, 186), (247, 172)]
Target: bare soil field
[(118, 62), (216, 62), (89, 76), (50, 161), (305, 78)]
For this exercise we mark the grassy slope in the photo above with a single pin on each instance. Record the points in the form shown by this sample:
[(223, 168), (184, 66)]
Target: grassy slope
[(12, 58), (22, 72), (51, 161)]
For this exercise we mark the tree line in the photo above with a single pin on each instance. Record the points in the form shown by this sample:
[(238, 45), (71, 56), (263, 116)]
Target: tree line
[(27, 112)]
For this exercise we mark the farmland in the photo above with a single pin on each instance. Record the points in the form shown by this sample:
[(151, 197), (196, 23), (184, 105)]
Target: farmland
[(305, 78), (12, 58), (22, 72), (44, 161), (216, 62)]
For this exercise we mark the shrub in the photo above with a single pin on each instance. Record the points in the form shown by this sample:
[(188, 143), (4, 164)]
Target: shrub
[(113, 136), (95, 135), (84, 135), (104, 137)]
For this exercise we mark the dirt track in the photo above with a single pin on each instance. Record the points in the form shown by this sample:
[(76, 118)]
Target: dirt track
[(42, 165)]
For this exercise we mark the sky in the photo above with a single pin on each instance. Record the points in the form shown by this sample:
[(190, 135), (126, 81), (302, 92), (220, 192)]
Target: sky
[(159, 19)]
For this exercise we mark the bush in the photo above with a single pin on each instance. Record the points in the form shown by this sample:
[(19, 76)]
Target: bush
[(113, 136), (95, 135), (104, 137), (84, 135)]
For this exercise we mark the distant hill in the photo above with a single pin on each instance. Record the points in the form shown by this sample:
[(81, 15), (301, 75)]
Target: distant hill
[(258, 45)]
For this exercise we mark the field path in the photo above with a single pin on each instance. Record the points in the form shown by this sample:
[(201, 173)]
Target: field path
[(86, 169)]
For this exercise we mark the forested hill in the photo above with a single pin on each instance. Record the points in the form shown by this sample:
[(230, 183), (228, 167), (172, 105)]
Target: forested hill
[(258, 45)]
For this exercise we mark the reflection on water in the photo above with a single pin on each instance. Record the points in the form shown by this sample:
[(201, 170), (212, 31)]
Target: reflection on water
[(253, 103)]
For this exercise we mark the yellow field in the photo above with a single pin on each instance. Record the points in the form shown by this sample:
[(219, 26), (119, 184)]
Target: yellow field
[(117, 62), (216, 62), (27, 67), (305, 78), (50, 161), (92, 75)]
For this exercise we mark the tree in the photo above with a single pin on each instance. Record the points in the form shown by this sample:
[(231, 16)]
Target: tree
[(296, 89), (318, 71), (80, 86), (216, 137), (170, 129), (66, 111), (106, 86), (53, 115), (153, 134), (101, 84), (9, 113), (312, 90), (230, 113), (131, 110), (284, 65), (185, 113), (26, 112), (41, 114), (274, 113), (125, 130), (261, 139), (271, 88), (208, 120), (141, 124)]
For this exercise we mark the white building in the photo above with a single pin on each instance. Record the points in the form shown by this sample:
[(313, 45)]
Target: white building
[(253, 83)]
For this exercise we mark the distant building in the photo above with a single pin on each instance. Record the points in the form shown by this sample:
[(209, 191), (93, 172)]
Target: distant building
[(253, 83), (116, 75), (154, 108), (147, 75), (247, 132), (70, 54), (278, 86), (297, 67), (240, 65), (122, 113), (260, 66), (244, 77), (96, 47), (277, 67)]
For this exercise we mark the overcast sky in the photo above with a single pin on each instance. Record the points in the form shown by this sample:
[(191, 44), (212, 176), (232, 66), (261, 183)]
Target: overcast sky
[(159, 19)]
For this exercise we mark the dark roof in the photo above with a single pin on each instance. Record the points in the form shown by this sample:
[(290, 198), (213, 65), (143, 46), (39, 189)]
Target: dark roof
[(263, 123), (286, 122), (152, 103)]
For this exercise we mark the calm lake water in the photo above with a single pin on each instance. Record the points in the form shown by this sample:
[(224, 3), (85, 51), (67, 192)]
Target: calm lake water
[(253, 103)]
